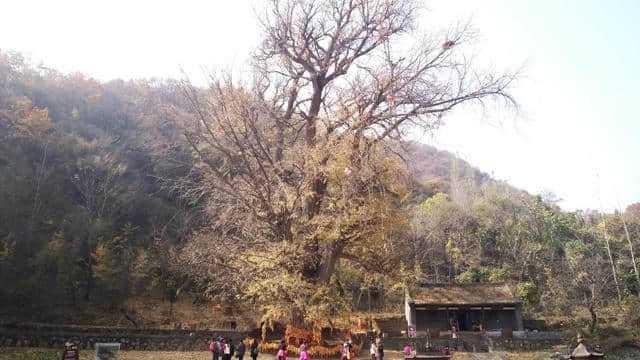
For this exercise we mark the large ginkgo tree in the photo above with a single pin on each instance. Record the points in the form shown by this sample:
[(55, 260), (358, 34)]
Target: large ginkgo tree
[(299, 165)]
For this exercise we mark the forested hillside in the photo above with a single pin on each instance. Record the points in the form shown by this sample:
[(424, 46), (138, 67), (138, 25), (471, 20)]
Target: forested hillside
[(84, 215), (120, 190)]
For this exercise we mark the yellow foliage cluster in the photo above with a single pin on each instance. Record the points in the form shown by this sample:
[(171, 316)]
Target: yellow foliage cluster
[(316, 345), (308, 336), (315, 351)]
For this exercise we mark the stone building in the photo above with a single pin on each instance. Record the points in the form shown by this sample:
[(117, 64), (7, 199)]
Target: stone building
[(471, 307)]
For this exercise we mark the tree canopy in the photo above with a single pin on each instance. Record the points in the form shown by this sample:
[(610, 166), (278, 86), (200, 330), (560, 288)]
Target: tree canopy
[(300, 162)]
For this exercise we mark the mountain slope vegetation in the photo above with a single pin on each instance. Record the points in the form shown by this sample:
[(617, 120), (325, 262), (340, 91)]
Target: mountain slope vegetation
[(296, 196)]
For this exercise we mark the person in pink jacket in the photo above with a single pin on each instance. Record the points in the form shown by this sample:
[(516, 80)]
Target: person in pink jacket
[(304, 355), (282, 351)]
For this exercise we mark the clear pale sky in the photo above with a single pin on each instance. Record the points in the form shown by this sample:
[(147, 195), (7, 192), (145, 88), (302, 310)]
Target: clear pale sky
[(575, 134)]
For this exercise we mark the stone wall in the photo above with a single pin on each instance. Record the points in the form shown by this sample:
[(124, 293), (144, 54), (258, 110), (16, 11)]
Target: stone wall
[(478, 342), (530, 335), (523, 344), (191, 340), (130, 339)]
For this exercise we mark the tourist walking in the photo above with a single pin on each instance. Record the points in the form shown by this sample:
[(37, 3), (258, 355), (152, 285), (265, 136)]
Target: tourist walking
[(232, 348), (408, 352), (254, 351), (226, 350), (242, 348), (380, 346), (214, 348), (343, 352), (304, 355), (282, 351), (373, 350)]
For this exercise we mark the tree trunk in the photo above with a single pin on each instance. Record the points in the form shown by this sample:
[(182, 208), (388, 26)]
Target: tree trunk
[(89, 279), (613, 266), (36, 197), (296, 316), (594, 319), (314, 110), (329, 259), (633, 258), (87, 251), (318, 181), (318, 189), (293, 96)]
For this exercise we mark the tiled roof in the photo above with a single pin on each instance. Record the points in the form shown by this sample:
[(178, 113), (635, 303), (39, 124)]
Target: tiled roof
[(463, 294)]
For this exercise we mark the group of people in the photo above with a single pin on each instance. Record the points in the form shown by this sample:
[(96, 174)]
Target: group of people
[(282, 351), (409, 353), (224, 349), (377, 349), (347, 351)]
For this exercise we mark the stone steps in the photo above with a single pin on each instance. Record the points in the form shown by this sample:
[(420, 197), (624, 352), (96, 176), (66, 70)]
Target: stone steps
[(486, 356), (474, 342)]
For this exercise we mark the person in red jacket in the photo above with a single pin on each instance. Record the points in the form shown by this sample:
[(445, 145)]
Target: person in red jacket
[(214, 347), (446, 351)]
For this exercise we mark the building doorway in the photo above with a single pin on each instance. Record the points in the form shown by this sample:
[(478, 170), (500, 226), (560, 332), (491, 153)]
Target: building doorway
[(463, 321)]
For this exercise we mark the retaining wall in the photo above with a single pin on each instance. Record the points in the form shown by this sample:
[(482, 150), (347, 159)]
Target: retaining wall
[(130, 339), (480, 343)]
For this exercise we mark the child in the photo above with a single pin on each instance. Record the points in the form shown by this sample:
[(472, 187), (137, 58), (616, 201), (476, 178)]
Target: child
[(407, 351)]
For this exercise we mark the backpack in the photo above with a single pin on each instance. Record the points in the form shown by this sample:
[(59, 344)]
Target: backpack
[(212, 346)]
